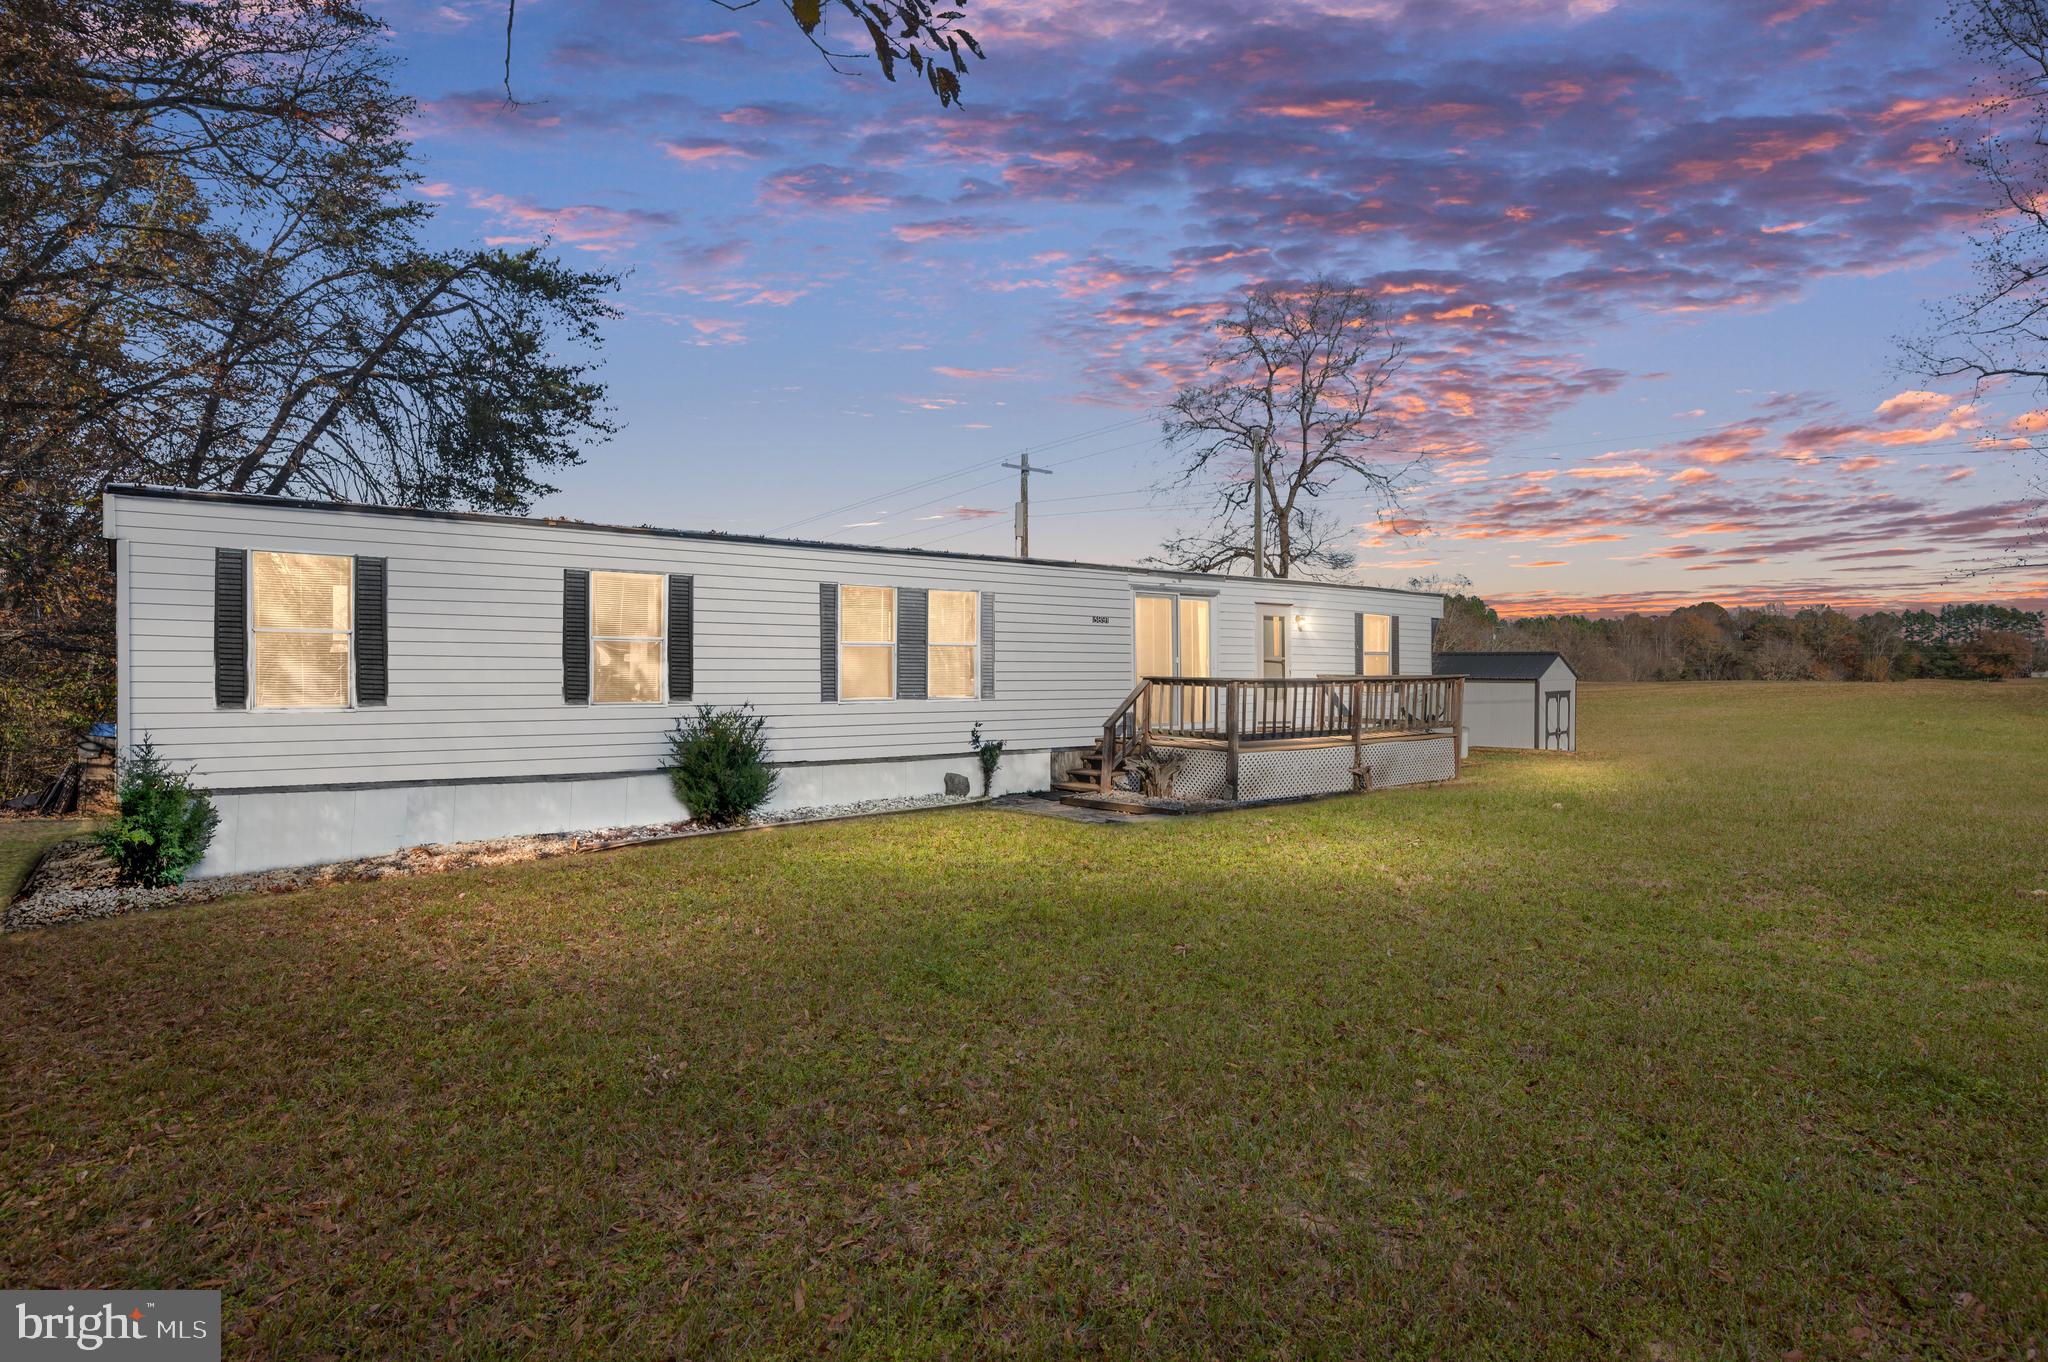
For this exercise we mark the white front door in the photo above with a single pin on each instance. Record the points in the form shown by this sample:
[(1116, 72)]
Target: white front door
[(1273, 641)]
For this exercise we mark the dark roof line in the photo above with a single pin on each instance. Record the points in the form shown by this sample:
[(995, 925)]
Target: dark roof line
[(1492, 666), (135, 489)]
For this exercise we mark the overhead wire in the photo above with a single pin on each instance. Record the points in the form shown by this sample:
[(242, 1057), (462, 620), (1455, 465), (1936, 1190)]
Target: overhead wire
[(960, 472), (926, 534)]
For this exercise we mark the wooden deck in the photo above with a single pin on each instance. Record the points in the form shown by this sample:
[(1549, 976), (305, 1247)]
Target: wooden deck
[(1237, 716)]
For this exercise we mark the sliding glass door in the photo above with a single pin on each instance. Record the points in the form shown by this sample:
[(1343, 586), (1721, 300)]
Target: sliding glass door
[(1173, 635), (1173, 640)]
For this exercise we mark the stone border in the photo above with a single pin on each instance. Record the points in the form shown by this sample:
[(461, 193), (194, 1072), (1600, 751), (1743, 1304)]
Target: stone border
[(72, 881)]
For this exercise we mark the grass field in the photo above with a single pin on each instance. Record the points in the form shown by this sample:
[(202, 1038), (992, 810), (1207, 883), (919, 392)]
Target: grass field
[(1726, 1038)]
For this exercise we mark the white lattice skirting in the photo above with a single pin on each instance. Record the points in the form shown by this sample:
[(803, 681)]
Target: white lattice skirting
[(1293, 772)]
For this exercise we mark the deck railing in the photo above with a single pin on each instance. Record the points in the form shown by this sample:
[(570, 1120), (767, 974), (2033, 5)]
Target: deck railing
[(1237, 714)]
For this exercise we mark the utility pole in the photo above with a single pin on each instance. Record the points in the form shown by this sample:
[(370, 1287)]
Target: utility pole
[(1023, 512), (1258, 503)]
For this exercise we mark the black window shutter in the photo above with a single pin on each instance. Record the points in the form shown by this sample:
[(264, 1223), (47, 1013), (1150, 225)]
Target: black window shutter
[(988, 644), (1394, 645), (1358, 644), (913, 636), (231, 628), (1432, 645), (373, 654), (576, 636), (828, 641), (682, 651)]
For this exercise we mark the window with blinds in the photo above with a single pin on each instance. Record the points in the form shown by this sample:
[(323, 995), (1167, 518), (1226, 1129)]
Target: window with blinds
[(301, 612), (951, 645), (626, 638), (1376, 645), (867, 642)]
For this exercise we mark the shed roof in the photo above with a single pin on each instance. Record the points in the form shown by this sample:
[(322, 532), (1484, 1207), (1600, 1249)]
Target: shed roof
[(1498, 666)]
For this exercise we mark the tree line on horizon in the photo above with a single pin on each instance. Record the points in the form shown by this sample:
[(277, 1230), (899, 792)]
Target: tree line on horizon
[(1709, 642)]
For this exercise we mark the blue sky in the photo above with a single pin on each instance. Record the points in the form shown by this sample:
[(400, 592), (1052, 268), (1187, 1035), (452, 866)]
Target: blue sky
[(1651, 261)]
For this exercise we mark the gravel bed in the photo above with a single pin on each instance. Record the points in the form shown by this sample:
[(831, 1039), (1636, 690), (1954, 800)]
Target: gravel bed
[(75, 883)]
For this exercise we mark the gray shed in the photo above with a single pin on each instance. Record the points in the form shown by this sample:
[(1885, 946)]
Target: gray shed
[(1528, 700)]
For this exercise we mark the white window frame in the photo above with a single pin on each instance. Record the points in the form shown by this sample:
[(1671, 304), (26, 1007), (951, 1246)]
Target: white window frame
[(1393, 663), (895, 637), (973, 646), (660, 615), (349, 633)]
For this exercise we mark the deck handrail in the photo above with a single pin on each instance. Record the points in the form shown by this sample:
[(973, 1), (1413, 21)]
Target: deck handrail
[(1236, 712), (1317, 679), (1110, 735)]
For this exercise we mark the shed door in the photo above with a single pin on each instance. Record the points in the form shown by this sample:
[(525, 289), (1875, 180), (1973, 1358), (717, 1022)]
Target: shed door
[(1557, 720)]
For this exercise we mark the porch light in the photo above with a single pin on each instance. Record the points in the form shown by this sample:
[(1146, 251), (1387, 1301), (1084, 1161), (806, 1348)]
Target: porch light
[(1301, 623)]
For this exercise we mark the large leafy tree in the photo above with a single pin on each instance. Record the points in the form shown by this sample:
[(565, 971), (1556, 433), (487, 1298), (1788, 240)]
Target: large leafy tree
[(212, 275), (1293, 402)]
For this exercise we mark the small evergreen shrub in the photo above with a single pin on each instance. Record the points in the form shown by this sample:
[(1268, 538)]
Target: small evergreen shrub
[(718, 763), (165, 824), (991, 754)]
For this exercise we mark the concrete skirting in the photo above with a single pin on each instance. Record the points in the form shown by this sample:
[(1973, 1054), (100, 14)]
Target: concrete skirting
[(1291, 771), (272, 829)]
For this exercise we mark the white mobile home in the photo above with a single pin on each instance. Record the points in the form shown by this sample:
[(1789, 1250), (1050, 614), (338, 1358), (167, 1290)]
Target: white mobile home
[(1527, 699), (347, 679)]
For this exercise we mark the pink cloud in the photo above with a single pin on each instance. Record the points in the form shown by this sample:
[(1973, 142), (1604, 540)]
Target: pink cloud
[(1915, 402), (699, 150), (834, 188), (584, 226), (952, 229)]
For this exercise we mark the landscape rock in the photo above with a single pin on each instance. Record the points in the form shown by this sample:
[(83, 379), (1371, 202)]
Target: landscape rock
[(74, 881)]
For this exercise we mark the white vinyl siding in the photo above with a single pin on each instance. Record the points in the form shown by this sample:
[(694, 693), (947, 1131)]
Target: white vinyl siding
[(626, 637), (952, 653), (300, 618), (867, 643), (476, 646)]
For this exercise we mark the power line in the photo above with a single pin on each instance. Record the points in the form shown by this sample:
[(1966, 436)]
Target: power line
[(1063, 463), (1098, 510), (961, 472), (1551, 453), (1024, 472)]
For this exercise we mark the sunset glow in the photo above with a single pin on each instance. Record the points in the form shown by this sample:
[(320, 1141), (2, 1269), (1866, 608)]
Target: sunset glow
[(1651, 263)]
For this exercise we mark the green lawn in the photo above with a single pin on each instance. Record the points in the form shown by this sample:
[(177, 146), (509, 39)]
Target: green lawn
[(1726, 1038)]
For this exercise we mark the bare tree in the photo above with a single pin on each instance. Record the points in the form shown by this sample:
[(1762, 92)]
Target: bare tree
[(1297, 373), (1999, 330)]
